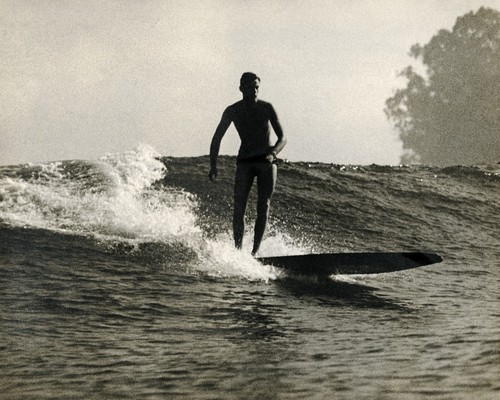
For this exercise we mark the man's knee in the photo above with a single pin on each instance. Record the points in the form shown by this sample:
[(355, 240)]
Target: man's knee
[(263, 204)]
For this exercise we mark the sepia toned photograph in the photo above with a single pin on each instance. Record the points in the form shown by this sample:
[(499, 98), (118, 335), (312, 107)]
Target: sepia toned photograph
[(236, 199)]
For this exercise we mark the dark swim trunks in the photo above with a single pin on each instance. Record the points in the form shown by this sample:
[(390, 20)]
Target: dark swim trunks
[(249, 169), (254, 159)]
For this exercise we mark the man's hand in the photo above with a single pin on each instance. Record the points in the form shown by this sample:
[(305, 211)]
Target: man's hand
[(213, 173), (271, 157)]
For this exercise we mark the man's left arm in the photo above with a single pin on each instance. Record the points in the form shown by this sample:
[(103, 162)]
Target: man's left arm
[(275, 123)]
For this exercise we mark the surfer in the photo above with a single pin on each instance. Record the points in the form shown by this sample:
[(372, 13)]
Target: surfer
[(256, 156)]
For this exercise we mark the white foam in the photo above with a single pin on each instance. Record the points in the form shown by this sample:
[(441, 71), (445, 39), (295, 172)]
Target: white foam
[(281, 244), (219, 257), (124, 205)]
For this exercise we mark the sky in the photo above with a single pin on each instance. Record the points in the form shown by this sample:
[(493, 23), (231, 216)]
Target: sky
[(81, 79)]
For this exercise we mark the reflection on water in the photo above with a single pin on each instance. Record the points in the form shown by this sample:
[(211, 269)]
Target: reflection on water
[(327, 292), (81, 320)]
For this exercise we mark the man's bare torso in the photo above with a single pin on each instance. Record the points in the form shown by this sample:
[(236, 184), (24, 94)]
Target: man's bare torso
[(252, 123)]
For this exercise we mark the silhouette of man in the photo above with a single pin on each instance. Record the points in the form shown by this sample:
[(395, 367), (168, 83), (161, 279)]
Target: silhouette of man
[(256, 156)]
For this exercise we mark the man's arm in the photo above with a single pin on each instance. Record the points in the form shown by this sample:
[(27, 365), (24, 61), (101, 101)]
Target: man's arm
[(281, 142), (215, 145)]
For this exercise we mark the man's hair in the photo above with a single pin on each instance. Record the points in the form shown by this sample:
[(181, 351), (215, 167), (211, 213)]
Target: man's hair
[(248, 77)]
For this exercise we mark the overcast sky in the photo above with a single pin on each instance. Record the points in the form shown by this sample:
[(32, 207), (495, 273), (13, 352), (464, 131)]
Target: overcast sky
[(80, 78)]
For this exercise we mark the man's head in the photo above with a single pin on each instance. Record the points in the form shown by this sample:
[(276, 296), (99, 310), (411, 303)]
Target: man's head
[(249, 86)]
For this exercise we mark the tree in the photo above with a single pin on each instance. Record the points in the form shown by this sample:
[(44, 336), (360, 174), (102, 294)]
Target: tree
[(452, 115)]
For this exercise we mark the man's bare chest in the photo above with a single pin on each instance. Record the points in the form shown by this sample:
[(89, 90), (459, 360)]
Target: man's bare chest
[(251, 115)]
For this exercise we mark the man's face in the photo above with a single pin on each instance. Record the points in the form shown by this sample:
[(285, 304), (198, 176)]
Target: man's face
[(250, 90)]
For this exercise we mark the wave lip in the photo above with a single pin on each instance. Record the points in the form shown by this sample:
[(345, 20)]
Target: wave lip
[(113, 196)]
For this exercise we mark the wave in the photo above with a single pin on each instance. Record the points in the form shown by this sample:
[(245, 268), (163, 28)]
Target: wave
[(139, 198)]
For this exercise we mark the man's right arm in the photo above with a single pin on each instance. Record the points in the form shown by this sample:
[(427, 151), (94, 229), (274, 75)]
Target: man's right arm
[(215, 145)]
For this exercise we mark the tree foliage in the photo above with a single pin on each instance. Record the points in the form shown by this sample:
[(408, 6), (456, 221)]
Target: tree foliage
[(452, 115)]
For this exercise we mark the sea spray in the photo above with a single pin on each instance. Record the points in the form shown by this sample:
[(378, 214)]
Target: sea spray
[(136, 208), (112, 197), (219, 257)]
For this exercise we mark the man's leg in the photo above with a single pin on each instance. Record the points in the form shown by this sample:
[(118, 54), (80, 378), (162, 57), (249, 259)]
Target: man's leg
[(242, 184), (266, 180)]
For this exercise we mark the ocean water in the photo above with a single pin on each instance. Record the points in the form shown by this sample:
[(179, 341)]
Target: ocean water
[(119, 280)]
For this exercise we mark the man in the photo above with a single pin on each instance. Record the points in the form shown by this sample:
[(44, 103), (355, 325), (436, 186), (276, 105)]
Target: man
[(256, 156)]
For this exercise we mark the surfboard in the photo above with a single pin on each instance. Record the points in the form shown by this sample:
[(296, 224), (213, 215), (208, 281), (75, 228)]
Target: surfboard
[(327, 264)]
